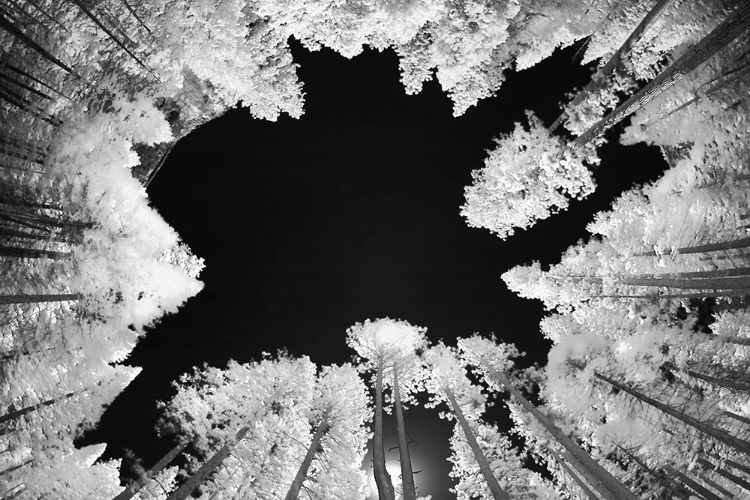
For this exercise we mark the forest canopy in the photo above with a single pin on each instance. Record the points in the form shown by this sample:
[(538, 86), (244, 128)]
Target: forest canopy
[(645, 392)]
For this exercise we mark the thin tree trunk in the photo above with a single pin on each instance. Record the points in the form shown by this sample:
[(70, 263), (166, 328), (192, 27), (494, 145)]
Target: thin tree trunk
[(33, 78), (407, 476), (675, 488), (693, 484), (706, 479), (735, 465), (730, 283), (725, 474), (732, 339), (708, 430), (108, 32), (497, 492), (33, 299), (296, 485), (721, 36), (614, 62), (720, 382), (15, 467), (739, 418), (136, 486), (206, 469), (31, 253), (26, 87), (597, 476), (8, 417), (382, 478), (8, 26), (708, 247), (572, 475), (137, 18), (742, 292)]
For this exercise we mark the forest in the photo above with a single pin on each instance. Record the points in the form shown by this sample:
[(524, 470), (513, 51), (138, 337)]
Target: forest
[(646, 391)]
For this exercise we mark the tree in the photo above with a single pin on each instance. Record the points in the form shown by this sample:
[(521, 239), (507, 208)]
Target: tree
[(388, 346), (527, 177)]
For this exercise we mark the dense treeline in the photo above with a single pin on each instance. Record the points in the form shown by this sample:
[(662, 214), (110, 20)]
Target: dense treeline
[(645, 393)]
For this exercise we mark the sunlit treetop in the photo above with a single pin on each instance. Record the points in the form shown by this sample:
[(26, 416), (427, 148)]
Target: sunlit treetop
[(385, 341), (530, 175)]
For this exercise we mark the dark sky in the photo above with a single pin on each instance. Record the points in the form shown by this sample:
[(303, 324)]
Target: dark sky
[(351, 212)]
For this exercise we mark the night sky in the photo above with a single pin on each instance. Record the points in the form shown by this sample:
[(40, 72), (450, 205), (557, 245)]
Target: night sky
[(352, 212)]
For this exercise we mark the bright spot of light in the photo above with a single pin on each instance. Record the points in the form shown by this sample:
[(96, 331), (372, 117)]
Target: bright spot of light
[(394, 470)]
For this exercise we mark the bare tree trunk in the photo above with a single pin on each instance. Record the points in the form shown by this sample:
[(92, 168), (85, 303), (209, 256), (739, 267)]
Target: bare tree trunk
[(15, 467), (708, 430), (597, 476), (693, 484), (720, 37), (296, 485), (136, 486), (615, 61), (706, 479), (382, 478), (708, 247), (572, 475), (135, 15), (720, 382), (725, 474), (206, 469), (730, 283), (31, 253), (407, 476), (497, 492), (676, 489), (33, 299), (8, 417)]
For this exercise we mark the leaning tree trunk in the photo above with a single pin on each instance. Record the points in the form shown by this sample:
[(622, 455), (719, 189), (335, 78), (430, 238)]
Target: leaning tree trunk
[(8, 417), (713, 484), (717, 434), (33, 299), (719, 283), (708, 247), (675, 488), (597, 476), (742, 483), (31, 253), (616, 60), (497, 492), (732, 27), (572, 475), (15, 467), (136, 486), (206, 469), (693, 484), (296, 486), (407, 476), (382, 478)]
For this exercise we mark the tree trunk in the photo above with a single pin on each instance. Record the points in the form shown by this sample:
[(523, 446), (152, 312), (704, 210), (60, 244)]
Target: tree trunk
[(706, 479), (708, 430), (382, 478), (135, 15), (296, 485), (720, 37), (136, 486), (614, 62), (732, 339), (407, 476), (739, 418), (33, 299), (597, 476), (8, 26), (484, 465), (676, 489), (572, 475), (720, 382), (31, 253), (206, 469), (730, 283), (708, 247), (725, 474), (692, 484), (15, 467), (29, 409), (742, 292)]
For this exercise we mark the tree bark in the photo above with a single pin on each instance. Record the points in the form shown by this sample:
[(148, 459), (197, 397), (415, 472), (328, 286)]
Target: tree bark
[(15, 467), (725, 474), (720, 382), (296, 485), (675, 488), (407, 476), (614, 62), (29, 409), (708, 247), (597, 476), (137, 485), (728, 283), (720, 37), (206, 469), (693, 484), (382, 478), (708, 430), (33, 299), (497, 492), (31, 253), (572, 475), (706, 479)]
